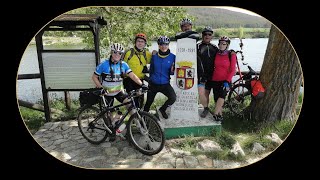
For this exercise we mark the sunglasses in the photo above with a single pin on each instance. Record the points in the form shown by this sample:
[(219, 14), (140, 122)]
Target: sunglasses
[(207, 34), (117, 52), (164, 44)]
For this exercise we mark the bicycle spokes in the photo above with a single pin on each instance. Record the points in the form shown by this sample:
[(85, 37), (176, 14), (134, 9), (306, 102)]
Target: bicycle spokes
[(239, 99), (93, 129), (145, 133)]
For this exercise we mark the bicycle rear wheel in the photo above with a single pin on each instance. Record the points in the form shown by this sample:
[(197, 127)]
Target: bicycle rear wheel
[(92, 129), (152, 140), (239, 99)]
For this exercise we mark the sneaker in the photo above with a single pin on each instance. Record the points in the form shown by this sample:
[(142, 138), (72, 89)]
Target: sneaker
[(215, 117), (163, 113), (219, 118), (204, 112)]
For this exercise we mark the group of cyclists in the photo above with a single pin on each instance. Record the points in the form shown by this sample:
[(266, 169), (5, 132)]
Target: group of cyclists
[(215, 68)]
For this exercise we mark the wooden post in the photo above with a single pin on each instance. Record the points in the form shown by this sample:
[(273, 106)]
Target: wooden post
[(67, 99)]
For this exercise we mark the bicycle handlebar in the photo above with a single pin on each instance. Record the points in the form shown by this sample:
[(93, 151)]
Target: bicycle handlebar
[(136, 93), (133, 93)]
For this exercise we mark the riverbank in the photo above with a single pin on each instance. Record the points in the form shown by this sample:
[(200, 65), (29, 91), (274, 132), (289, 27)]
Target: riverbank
[(231, 32), (244, 32)]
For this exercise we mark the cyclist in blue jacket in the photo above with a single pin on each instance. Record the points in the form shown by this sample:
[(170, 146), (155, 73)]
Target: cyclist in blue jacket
[(161, 67)]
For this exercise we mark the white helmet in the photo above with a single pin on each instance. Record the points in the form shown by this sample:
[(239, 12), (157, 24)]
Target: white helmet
[(185, 21), (225, 38), (117, 47)]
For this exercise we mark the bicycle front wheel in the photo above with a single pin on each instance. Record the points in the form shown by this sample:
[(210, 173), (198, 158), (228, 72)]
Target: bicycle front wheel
[(92, 128), (145, 133), (239, 99)]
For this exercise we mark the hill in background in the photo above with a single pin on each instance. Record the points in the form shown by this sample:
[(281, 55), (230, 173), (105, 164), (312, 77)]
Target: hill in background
[(222, 18)]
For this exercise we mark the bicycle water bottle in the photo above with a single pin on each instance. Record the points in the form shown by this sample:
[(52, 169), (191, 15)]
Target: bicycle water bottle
[(116, 118), (120, 130)]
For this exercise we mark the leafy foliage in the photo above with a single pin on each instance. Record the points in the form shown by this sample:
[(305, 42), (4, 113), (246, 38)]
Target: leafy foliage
[(125, 22)]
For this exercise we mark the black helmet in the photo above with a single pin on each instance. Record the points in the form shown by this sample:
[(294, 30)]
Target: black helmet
[(207, 29)]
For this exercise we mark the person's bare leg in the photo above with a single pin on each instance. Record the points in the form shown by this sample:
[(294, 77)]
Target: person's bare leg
[(218, 108), (204, 100), (207, 93), (202, 96), (128, 105)]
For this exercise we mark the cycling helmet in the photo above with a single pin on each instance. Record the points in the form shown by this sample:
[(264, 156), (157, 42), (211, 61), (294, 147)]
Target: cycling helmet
[(225, 38), (142, 36), (117, 47), (163, 40), (207, 29), (185, 21)]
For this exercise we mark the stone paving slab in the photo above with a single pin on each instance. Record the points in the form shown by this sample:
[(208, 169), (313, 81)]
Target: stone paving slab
[(64, 141)]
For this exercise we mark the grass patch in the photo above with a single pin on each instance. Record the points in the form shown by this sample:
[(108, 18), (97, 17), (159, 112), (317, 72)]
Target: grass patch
[(282, 128), (225, 139), (35, 119), (32, 118), (158, 102)]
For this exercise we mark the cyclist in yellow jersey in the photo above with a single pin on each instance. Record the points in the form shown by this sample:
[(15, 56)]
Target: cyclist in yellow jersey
[(137, 58)]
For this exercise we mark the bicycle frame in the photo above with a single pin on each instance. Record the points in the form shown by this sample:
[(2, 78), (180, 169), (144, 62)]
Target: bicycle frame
[(106, 109)]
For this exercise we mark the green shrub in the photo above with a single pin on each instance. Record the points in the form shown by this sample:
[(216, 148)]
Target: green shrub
[(32, 118), (226, 140)]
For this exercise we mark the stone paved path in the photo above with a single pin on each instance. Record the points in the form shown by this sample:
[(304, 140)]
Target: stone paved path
[(64, 141)]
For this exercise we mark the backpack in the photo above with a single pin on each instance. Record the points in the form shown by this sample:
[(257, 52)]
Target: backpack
[(257, 89), (132, 53), (87, 97), (229, 54)]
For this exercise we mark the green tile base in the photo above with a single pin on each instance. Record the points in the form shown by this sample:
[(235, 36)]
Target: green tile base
[(195, 131)]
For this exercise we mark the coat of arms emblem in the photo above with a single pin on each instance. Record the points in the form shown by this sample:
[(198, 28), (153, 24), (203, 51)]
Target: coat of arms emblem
[(185, 75)]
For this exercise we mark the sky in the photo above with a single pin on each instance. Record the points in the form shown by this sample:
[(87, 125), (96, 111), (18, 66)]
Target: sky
[(240, 10)]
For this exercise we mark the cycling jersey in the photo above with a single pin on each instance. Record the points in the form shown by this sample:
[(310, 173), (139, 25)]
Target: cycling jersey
[(224, 70), (134, 62), (205, 58), (160, 68), (112, 83)]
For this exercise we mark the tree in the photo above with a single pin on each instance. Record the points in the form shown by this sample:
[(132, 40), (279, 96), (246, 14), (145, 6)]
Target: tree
[(281, 75), (125, 22)]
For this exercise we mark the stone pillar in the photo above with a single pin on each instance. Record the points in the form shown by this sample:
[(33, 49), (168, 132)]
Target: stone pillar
[(184, 116)]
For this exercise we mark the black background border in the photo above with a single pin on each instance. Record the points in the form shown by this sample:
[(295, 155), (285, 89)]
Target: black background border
[(27, 156)]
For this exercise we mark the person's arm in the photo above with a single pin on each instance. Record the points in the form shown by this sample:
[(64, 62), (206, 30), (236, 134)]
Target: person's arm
[(96, 74), (173, 66), (96, 81), (130, 74), (149, 55), (185, 34), (135, 78), (232, 67)]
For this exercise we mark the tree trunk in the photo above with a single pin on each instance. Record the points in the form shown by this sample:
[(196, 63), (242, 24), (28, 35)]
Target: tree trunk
[(281, 75)]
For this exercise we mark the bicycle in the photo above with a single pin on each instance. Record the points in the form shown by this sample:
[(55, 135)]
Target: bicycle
[(142, 129), (240, 96)]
